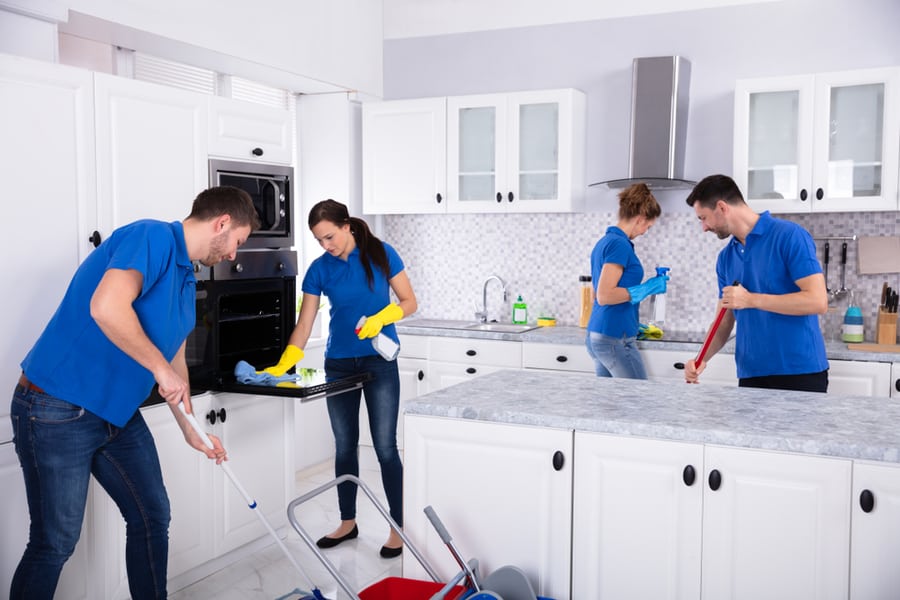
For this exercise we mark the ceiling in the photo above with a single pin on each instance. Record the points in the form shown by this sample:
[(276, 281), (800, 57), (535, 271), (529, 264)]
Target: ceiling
[(416, 18)]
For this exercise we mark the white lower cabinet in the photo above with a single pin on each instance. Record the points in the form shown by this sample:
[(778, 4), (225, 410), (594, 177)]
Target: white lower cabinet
[(669, 365), (874, 543), (454, 360), (636, 518), (498, 491), (859, 378), (778, 526)]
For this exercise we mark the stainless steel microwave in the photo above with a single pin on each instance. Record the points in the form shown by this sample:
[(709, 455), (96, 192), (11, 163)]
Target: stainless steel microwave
[(272, 189)]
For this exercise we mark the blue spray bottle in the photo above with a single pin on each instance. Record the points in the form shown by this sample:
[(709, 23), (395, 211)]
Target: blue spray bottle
[(659, 301)]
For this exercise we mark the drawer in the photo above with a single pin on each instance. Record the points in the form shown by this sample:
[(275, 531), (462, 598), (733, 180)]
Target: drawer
[(470, 351), (558, 357)]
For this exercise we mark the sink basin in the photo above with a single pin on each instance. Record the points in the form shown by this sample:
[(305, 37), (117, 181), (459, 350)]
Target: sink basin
[(500, 327), (468, 325)]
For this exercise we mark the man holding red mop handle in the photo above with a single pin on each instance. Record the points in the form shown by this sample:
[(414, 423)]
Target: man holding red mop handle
[(776, 304)]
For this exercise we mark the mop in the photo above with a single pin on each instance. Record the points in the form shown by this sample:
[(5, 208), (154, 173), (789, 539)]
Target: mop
[(316, 594)]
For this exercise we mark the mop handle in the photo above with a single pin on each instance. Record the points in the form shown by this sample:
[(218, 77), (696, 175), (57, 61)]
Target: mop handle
[(249, 499), (712, 332)]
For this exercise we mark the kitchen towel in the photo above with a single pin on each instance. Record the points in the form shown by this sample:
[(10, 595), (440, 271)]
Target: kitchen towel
[(879, 254), (246, 373)]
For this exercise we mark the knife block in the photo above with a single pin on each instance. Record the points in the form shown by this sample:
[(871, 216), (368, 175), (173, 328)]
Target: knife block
[(886, 329)]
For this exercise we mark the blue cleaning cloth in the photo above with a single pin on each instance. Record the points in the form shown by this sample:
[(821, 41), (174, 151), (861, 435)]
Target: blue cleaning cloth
[(246, 373)]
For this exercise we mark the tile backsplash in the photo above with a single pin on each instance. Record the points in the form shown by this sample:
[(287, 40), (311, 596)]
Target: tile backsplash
[(540, 256)]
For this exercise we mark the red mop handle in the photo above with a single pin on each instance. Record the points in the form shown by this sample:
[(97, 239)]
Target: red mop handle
[(709, 337), (711, 334)]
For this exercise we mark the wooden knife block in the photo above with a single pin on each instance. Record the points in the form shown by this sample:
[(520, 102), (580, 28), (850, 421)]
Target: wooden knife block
[(886, 331)]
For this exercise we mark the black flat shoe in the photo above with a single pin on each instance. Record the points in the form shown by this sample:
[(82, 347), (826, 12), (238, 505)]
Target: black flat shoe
[(391, 552), (330, 542)]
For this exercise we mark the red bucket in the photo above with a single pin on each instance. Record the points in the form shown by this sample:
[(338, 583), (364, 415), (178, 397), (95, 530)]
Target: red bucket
[(398, 588)]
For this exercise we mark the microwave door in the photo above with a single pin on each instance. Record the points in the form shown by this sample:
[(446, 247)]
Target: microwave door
[(271, 199)]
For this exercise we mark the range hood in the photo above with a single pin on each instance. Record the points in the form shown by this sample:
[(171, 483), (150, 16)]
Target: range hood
[(659, 110)]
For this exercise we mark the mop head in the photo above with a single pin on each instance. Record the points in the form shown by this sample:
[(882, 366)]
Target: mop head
[(298, 594)]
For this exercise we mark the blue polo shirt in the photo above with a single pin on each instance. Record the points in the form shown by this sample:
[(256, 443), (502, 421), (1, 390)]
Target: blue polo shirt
[(776, 253), (344, 283), (73, 359), (615, 320)]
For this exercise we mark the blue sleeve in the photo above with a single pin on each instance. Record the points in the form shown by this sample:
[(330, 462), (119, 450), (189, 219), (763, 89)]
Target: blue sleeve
[(395, 263), (800, 254), (312, 280), (145, 247)]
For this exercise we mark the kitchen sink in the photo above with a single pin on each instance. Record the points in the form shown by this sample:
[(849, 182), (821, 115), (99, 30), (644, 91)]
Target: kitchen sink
[(468, 325), (500, 327)]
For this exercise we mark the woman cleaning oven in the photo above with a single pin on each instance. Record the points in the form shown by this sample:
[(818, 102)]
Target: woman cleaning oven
[(357, 273)]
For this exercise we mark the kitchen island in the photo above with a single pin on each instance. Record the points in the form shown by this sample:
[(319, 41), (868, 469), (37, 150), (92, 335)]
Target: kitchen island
[(620, 488)]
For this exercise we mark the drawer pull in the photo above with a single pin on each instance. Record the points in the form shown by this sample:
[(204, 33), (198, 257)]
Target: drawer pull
[(471, 353), (562, 358), (689, 475), (471, 370), (420, 375), (559, 459), (679, 366)]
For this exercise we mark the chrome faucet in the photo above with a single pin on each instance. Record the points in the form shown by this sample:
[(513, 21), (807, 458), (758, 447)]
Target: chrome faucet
[(482, 314)]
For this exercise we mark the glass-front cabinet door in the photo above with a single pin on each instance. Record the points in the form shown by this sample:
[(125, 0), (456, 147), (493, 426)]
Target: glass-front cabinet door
[(826, 142), (516, 152), (856, 140)]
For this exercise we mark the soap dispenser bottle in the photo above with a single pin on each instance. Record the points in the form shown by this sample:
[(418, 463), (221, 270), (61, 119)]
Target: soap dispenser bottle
[(520, 311)]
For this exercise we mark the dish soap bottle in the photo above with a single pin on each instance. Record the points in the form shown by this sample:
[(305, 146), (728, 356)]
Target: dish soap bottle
[(520, 311)]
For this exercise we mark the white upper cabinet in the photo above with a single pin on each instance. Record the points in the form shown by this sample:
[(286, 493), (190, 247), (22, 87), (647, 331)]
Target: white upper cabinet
[(510, 152), (151, 150), (826, 142), (520, 152), (404, 156), (249, 131)]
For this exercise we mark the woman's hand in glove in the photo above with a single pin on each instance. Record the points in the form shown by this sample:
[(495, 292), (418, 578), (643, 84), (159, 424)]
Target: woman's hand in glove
[(290, 357), (373, 325), (654, 285)]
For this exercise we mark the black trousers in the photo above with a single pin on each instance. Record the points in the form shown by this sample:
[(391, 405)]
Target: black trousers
[(806, 382)]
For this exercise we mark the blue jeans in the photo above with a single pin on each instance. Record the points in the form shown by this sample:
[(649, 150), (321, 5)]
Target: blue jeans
[(382, 406), (60, 445), (615, 357)]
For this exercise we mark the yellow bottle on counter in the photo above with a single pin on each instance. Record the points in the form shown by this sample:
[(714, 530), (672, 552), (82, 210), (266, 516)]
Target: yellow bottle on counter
[(587, 300)]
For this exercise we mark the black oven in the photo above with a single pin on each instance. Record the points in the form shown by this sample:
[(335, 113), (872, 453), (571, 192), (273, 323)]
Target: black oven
[(272, 190), (245, 311)]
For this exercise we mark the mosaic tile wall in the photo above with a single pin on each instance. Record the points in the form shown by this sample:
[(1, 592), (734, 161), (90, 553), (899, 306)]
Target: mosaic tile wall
[(540, 256)]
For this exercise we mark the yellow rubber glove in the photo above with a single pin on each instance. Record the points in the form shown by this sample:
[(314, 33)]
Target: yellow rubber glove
[(290, 357), (387, 315)]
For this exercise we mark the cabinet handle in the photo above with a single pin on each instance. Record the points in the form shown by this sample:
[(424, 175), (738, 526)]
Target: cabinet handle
[(559, 459), (471, 353), (420, 375), (897, 385), (689, 475), (471, 370), (438, 197), (510, 197), (866, 501), (679, 366), (211, 416), (562, 358), (95, 238), (499, 197), (257, 152), (715, 480), (803, 195), (820, 193)]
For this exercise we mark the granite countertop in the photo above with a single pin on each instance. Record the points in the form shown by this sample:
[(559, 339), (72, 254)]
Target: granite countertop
[(689, 341), (801, 422)]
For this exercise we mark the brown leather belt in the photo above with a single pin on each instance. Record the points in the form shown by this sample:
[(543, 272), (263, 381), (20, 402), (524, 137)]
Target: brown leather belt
[(23, 381)]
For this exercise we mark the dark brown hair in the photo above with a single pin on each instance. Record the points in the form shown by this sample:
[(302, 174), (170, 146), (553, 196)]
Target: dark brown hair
[(713, 188), (371, 249), (637, 200), (225, 200)]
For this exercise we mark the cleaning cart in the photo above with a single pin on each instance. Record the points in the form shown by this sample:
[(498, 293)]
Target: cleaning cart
[(390, 587)]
